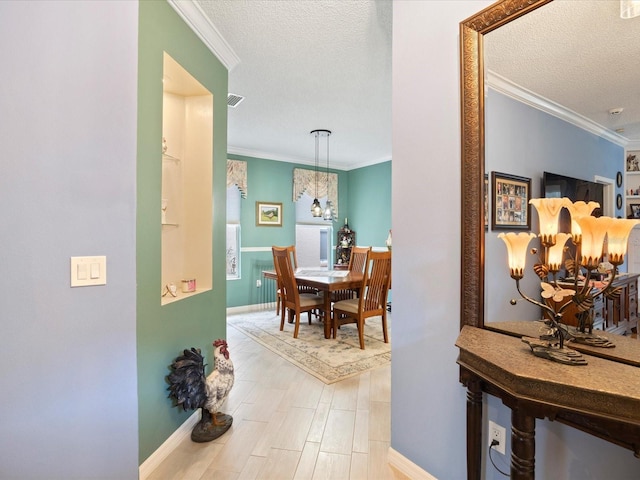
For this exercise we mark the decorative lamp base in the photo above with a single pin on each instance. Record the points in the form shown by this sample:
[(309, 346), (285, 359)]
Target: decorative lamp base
[(567, 356)]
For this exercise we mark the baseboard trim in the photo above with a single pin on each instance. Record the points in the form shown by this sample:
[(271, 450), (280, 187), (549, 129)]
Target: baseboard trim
[(249, 308), (169, 445), (407, 467)]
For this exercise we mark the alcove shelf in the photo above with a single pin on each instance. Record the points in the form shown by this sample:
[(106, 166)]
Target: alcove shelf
[(186, 197)]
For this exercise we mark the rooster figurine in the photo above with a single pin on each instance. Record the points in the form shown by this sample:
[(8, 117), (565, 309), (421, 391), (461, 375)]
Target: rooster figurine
[(190, 389)]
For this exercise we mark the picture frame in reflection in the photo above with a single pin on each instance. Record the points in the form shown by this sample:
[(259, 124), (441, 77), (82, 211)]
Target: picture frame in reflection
[(510, 195)]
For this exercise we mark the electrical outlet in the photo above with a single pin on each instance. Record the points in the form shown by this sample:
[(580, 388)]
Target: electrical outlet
[(258, 283), (498, 433)]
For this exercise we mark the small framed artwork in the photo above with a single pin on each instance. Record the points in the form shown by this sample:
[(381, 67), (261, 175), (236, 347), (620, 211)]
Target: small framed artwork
[(268, 214), (510, 195), (635, 210), (619, 179)]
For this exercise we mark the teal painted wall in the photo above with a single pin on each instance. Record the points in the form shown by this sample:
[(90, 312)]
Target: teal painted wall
[(369, 193), (271, 181), (268, 181), (163, 332)]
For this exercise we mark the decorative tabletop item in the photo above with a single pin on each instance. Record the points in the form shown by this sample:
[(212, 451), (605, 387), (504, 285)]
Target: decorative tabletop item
[(588, 236)]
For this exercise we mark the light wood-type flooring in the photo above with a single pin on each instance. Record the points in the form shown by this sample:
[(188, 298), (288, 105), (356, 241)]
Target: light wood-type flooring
[(289, 425)]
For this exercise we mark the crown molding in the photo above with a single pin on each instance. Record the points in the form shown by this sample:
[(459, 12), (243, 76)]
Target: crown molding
[(245, 152), (197, 20), (521, 94)]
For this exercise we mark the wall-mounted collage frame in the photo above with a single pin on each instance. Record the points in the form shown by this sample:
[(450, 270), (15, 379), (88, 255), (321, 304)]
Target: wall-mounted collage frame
[(510, 195)]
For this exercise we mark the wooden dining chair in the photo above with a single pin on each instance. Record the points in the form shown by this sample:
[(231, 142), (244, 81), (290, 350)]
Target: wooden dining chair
[(356, 264), (292, 299), (301, 288), (372, 300)]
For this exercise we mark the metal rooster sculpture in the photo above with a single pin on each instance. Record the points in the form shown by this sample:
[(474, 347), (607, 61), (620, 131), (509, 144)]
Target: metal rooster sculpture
[(190, 389)]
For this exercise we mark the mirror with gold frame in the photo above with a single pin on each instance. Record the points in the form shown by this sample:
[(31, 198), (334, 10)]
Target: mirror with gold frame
[(472, 32)]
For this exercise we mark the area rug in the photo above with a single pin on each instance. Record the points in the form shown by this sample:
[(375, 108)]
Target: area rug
[(326, 359)]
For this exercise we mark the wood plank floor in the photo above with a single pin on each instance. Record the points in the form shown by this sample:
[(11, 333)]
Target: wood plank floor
[(289, 425)]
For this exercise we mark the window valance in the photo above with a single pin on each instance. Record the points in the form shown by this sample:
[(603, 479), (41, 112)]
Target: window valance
[(237, 175), (304, 181)]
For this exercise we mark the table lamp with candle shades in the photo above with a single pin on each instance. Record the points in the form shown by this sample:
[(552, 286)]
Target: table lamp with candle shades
[(588, 235)]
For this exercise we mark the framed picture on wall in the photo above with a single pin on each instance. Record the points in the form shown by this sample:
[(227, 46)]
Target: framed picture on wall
[(268, 214), (635, 210), (633, 161), (510, 195)]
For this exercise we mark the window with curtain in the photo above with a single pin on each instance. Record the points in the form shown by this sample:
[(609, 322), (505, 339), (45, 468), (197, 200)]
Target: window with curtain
[(236, 191), (314, 235)]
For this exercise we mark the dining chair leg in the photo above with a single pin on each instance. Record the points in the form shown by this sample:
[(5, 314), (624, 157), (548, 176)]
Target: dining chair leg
[(384, 327), (282, 318), (297, 327), (360, 324)]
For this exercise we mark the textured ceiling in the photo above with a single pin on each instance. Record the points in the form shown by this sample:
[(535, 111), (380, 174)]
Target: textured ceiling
[(306, 65), (579, 54)]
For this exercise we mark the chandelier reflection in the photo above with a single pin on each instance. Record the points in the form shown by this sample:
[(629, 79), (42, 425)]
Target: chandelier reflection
[(589, 235)]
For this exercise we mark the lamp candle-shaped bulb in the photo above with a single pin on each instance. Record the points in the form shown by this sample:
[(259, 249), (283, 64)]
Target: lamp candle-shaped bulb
[(517, 244), (579, 210), (548, 214), (556, 252), (593, 232), (618, 238)]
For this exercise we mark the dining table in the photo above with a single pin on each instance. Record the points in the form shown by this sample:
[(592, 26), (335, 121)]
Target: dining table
[(327, 282)]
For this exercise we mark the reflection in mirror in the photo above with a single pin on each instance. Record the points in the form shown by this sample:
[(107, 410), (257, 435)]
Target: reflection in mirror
[(526, 134), (472, 32)]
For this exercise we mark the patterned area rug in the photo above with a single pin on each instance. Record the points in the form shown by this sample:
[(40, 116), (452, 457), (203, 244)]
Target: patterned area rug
[(329, 360)]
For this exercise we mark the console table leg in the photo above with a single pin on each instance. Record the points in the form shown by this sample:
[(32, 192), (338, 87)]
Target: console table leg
[(474, 430), (523, 445)]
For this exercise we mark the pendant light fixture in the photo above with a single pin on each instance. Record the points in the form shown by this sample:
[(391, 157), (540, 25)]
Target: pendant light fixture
[(316, 208)]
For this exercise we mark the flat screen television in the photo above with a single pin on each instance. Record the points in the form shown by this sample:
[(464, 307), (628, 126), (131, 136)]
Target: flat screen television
[(575, 189)]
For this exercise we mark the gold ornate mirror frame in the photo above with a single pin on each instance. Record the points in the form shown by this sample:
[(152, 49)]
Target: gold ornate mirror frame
[(472, 31)]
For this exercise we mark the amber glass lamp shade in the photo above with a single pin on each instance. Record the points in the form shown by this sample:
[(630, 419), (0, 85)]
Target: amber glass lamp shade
[(593, 232), (556, 252), (548, 213), (579, 210), (517, 244), (618, 238)]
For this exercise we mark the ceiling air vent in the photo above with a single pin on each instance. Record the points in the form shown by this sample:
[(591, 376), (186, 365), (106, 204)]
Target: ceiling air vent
[(234, 100)]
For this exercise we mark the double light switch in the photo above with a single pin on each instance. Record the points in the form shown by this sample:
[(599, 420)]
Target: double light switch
[(88, 271)]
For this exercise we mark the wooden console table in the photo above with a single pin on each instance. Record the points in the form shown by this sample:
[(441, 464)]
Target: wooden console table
[(601, 398)]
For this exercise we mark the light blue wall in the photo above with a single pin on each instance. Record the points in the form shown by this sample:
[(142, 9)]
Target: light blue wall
[(524, 141), (364, 198), (68, 408)]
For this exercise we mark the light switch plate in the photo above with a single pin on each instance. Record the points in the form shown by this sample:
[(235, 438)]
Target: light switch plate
[(88, 271)]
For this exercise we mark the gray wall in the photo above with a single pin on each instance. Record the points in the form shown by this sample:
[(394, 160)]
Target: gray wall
[(428, 402), (68, 407)]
